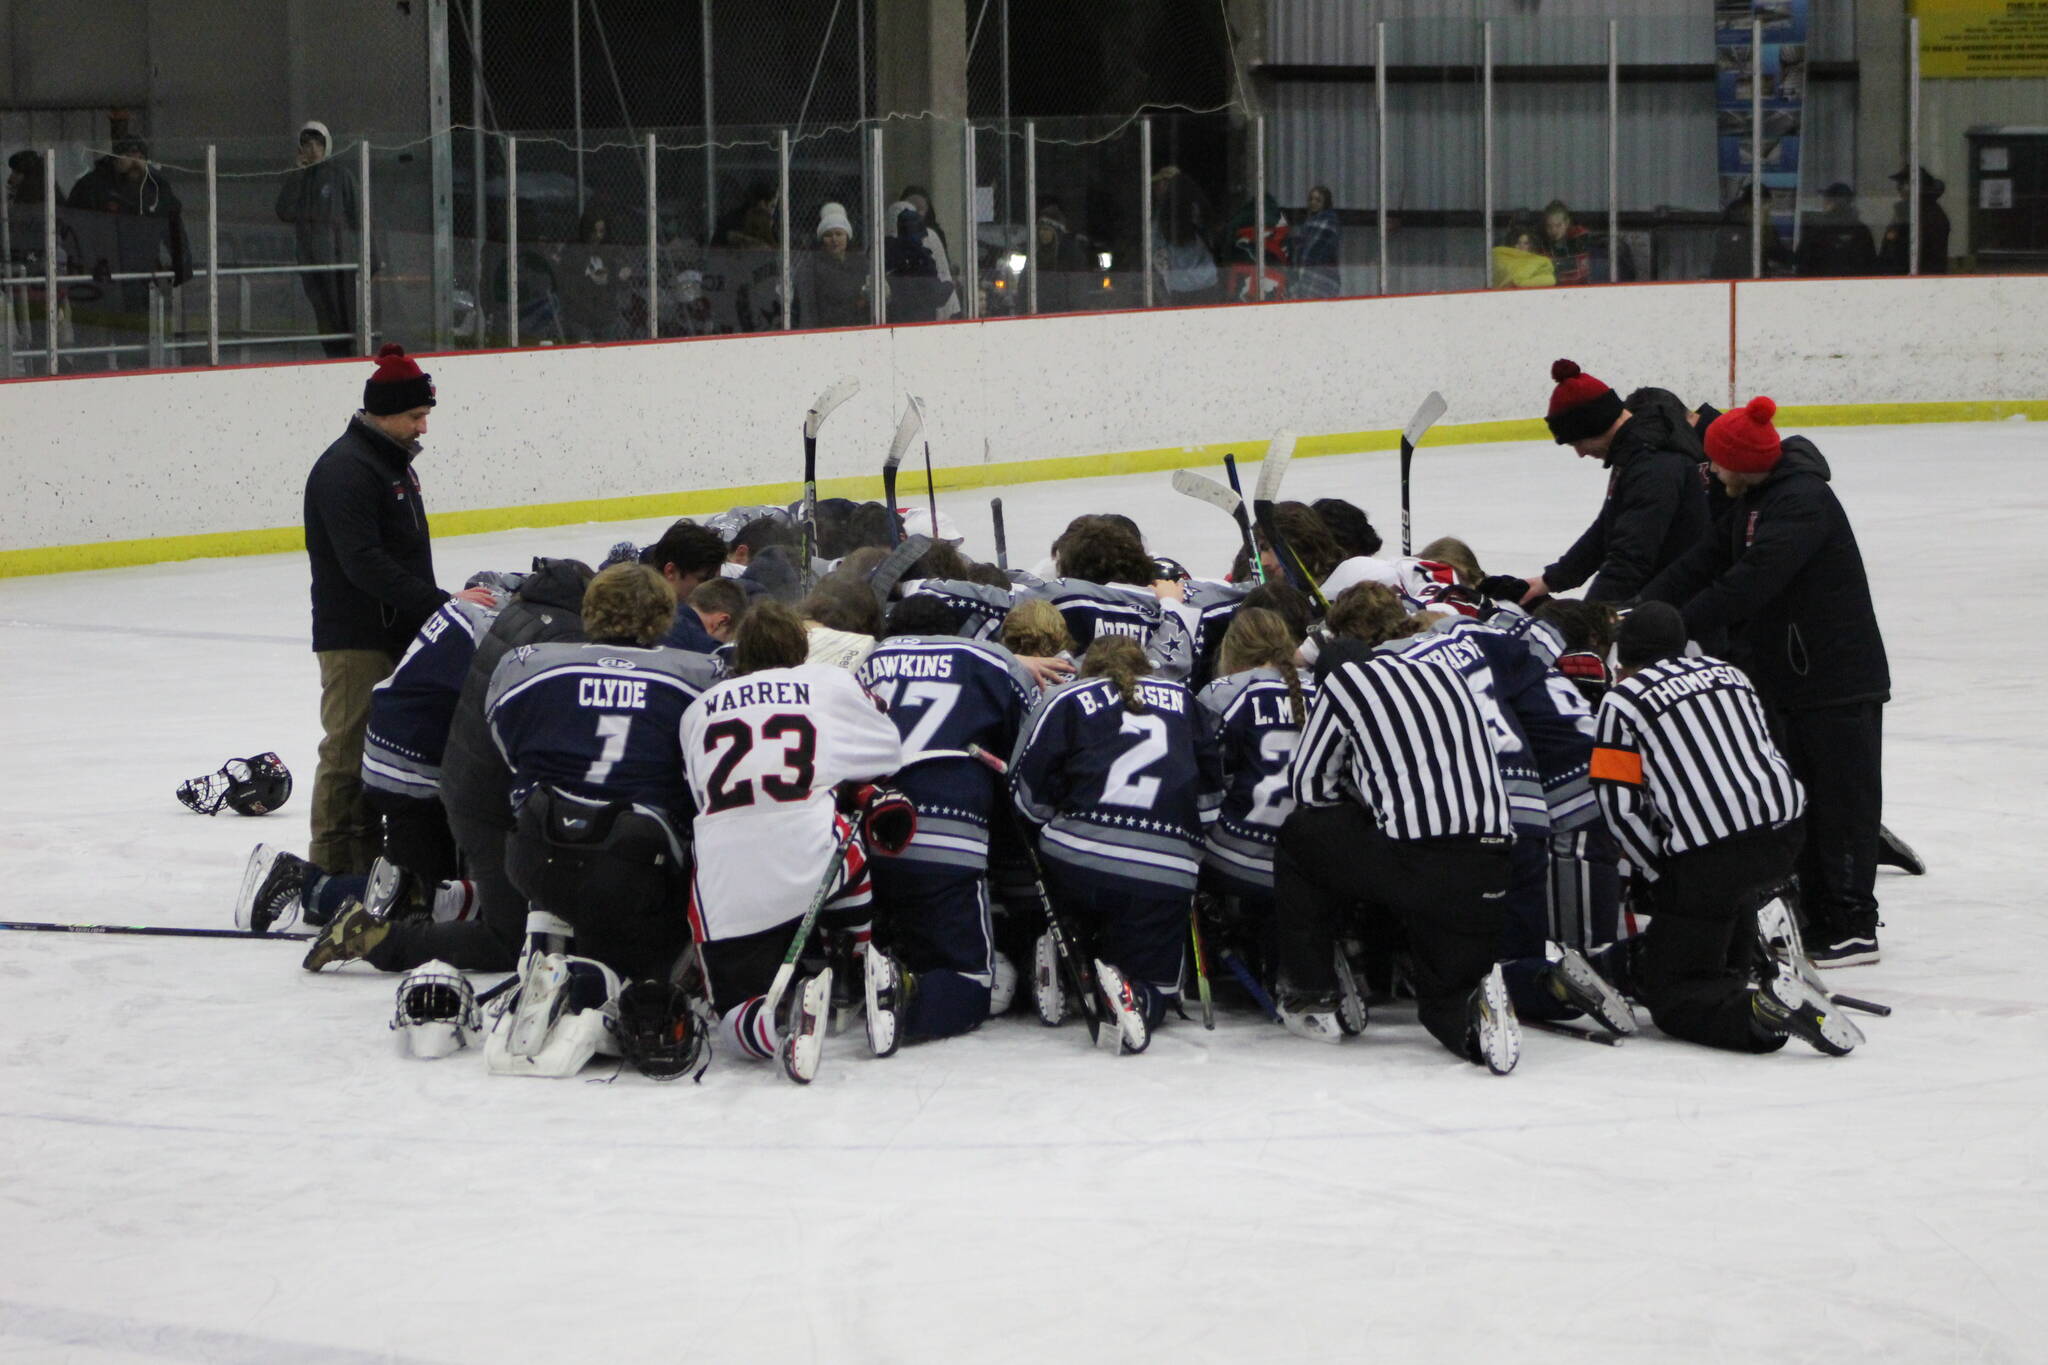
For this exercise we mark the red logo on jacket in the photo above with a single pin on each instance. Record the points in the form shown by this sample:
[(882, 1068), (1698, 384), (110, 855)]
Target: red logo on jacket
[(1749, 531)]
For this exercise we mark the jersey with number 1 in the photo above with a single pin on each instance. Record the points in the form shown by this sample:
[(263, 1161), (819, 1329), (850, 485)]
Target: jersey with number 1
[(1121, 795), (599, 720), (763, 753), (1259, 731)]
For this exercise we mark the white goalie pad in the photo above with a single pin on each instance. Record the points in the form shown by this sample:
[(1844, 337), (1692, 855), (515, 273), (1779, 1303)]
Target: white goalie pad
[(564, 1013)]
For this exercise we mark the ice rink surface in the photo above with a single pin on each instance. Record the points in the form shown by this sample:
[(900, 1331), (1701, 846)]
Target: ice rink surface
[(208, 1155)]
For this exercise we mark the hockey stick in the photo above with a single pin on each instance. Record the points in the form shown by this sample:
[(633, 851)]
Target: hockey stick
[(1244, 526), (814, 419), (1204, 489), (787, 971), (995, 512), (164, 931), (1892, 851), (890, 571), (1201, 969), (1081, 982), (906, 431), (1551, 1026), (1411, 436), (1279, 451), (1244, 976)]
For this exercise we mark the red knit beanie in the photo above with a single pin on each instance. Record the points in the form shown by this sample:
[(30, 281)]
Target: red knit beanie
[(398, 386), (1744, 440), (1581, 407)]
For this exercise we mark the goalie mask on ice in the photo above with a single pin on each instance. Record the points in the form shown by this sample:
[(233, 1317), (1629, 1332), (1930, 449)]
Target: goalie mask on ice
[(436, 1011), (247, 786)]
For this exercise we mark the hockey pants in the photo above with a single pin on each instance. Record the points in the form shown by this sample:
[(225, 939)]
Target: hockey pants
[(936, 921), (1698, 950)]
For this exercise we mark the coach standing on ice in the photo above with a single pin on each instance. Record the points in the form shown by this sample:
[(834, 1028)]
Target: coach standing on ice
[(1782, 574), (373, 588)]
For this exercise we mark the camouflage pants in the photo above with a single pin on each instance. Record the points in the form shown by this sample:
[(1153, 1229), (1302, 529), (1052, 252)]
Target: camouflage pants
[(345, 829)]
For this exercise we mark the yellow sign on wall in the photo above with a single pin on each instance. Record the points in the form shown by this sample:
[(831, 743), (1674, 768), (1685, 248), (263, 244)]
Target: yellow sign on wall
[(1975, 38)]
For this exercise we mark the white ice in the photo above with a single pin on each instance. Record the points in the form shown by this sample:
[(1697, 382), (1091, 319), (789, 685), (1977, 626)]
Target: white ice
[(206, 1154)]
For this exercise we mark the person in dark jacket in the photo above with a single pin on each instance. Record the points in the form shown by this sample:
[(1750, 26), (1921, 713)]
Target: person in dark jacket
[(1895, 253), (476, 792), (373, 588), (915, 289), (1781, 574), (1656, 506), (1835, 241), (318, 198), (120, 192)]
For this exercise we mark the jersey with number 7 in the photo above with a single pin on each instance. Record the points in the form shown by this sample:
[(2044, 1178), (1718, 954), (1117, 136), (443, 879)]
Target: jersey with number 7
[(763, 753), (1122, 795)]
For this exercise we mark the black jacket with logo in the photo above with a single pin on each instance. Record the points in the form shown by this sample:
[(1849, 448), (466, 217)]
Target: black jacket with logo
[(1656, 507), (1782, 574), (366, 535)]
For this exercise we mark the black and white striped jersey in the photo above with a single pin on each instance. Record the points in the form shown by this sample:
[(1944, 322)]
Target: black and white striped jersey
[(1405, 738), (1684, 759)]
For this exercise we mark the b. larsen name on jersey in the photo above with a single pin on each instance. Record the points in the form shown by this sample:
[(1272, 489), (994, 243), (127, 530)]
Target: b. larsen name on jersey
[(1165, 698)]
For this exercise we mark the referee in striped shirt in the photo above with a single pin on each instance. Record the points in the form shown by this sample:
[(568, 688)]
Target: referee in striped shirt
[(1401, 804), (1707, 811)]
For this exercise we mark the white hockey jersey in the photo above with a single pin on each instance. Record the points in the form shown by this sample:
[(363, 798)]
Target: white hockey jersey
[(763, 754)]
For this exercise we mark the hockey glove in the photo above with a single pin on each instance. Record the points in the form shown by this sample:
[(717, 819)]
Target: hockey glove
[(887, 819), (1586, 671), (1504, 587)]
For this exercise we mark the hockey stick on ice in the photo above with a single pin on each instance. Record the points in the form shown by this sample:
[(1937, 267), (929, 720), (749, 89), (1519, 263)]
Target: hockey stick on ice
[(787, 971), (907, 431), (165, 931), (1201, 968), (1080, 981), (995, 512), (1411, 436), (814, 419), (1204, 489)]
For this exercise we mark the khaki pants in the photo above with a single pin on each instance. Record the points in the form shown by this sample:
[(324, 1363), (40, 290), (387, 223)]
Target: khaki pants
[(345, 830)]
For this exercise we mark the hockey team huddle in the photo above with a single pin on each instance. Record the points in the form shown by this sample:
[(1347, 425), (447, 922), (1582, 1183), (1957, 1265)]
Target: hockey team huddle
[(728, 790)]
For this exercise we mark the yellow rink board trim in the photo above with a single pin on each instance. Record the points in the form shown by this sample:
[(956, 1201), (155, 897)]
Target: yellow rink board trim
[(113, 554)]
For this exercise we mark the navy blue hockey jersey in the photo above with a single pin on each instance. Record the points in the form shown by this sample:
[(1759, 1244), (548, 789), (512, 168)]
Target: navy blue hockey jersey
[(411, 710), (945, 693), (1258, 731), (600, 720), (1122, 796)]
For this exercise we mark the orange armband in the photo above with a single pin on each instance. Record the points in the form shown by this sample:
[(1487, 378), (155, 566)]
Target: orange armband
[(1618, 765)]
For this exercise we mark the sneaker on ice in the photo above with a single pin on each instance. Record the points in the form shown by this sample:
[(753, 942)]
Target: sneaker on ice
[(1048, 992), (809, 1011), (890, 990), (1493, 1038), (1132, 1033), (1313, 1017), (353, 934), (1574, 981), (272, 882), (1847, 951), (1787, 1004)]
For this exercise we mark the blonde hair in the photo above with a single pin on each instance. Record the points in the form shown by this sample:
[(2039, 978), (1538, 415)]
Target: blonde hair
[(1259, 638), (1118, 658), (1456, 553), (1035, 627), (1372, 613), (628, 602)]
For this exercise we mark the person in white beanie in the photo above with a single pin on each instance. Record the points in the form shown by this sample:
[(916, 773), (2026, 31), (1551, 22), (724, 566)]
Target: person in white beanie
[(837, 296), (318, 198), (917, 521)]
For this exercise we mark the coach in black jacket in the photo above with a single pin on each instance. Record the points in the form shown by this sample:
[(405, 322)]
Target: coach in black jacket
[(373, 588), (1782, 574), (1656, 506)]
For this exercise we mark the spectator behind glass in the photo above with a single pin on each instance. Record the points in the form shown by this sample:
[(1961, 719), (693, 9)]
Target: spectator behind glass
[(836, 292), (1182, 222), (1570, 246), (752, 223), (1062, 262), (1731, 243), (1521, 262), (318, 198), (935, 242), (915, 289), (1836, 241), (590, 274), (119, 189), (1897, 248), (1314, 247), (25, 178)]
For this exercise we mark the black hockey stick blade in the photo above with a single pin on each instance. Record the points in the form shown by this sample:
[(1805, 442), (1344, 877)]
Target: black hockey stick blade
[(995, 514), (1584, 1035), (1411, 436), (1244, 520), (157, 930), (890, 571), (1892, 851)]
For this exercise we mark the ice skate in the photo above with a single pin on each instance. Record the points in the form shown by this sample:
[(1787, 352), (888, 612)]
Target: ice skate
[(1132, 1033), (803, 1028), (1048, 992), (1574, 981), (272, 883), (1786, 1004), (1494, 1039), (1314, 1017), (354, 933), (386, 893), (890, 991)]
